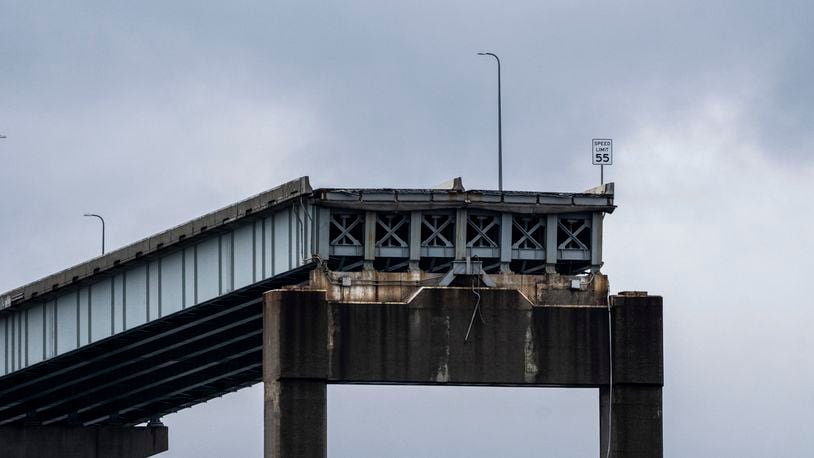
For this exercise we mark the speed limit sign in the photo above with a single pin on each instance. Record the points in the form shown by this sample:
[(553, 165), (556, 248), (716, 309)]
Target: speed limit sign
[(602, 151)]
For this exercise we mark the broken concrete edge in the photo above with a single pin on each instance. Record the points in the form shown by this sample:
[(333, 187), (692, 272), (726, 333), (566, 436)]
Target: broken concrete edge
[(361, 287)]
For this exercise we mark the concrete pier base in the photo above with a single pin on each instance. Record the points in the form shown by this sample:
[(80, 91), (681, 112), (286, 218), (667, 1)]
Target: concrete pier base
[(82, 442), (310, 341), (636, 424), (296, 418)]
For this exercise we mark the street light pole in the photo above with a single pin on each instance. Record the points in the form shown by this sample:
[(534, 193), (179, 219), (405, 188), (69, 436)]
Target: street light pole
[(103, 229), (499, 124)]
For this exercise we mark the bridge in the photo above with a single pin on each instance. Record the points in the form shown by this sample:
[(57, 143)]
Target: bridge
[(176, 319)]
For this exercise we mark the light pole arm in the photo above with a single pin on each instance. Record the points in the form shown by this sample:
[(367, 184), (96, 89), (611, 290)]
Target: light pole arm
[(103, 228)]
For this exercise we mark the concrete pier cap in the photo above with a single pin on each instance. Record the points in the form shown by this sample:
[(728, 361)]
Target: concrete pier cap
[(83, 441), (402, 328)]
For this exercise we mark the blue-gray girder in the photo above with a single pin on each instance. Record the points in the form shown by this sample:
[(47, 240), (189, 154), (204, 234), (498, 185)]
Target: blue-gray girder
[(129, 296)]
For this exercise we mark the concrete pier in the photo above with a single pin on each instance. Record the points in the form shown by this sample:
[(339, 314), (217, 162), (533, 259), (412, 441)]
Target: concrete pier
[(638, 377), (82, 442), (295, 370), (313, 338)]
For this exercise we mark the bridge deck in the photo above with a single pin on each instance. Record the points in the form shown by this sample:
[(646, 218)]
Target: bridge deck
[(174, 319)]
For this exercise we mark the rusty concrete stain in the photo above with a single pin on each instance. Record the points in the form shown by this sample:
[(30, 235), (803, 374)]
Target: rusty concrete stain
[(442, 374), (332, 330), (399, 287), (272, 393), (530, 352)]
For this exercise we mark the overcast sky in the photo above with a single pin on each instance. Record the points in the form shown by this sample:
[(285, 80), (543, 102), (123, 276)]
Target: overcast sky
[(152, 113)]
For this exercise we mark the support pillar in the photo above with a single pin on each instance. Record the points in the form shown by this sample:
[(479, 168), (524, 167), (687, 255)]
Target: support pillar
[(295, 367), (633, 403), (636, 426), (295, 418)]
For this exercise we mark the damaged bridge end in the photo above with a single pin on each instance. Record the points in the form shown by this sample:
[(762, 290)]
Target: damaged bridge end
[(301, 287), (453, 287)]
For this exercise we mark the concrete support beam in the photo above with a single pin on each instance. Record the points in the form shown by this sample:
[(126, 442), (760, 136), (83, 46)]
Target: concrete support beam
[(82, 442), (310, 341), (423, 342)]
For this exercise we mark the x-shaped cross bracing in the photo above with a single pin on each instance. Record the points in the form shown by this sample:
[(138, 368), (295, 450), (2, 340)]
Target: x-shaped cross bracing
[(481, 239), (344, 230), (573, 238), (436, 230), (390, 239), (527, 240)]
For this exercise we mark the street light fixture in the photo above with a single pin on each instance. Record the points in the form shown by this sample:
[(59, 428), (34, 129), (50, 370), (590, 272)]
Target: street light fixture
[(103, 228), (499, 125)]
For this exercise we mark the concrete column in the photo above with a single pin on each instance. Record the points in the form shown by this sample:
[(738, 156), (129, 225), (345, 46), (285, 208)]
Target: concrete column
[(295, 367), (295, 419), (633, 403), (636, 426)]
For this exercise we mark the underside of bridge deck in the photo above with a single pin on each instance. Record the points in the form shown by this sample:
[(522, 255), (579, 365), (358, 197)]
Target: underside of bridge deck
[(155, 369)]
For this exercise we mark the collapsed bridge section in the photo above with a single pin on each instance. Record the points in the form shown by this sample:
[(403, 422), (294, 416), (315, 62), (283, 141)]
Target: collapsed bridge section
[(178, 318), (285, 228)]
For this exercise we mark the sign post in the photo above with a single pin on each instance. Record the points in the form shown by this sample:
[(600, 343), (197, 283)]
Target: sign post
[(602, 155)]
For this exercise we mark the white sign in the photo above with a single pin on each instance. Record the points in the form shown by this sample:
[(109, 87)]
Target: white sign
[(602, 151)]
